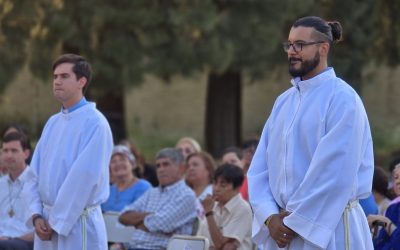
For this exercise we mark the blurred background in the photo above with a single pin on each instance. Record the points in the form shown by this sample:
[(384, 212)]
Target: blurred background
[(209, 69)]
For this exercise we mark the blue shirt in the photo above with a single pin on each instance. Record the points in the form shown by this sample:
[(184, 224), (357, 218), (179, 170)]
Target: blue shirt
[(118, 200), (79, 104), (369, 205), (392, 242), (172, 211)]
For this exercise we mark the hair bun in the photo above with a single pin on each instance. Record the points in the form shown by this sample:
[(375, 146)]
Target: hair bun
[(336, 28)]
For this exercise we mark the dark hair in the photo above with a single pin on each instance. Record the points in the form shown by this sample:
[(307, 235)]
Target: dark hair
[(330, 30), (394, 163), (208, 162), (237, 151), (231, 174), (175, 155), (16, 136), (81, 67), (250, 143), (380, 182)]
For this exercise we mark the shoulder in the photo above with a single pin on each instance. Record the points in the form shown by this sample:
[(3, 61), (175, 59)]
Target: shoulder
[(3, 179)]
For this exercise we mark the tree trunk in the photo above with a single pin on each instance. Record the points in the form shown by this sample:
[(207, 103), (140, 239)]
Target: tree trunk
[(111, 104), (223, 112)]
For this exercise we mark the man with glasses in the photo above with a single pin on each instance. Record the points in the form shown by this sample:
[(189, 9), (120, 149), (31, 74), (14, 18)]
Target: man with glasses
[(314, 160)]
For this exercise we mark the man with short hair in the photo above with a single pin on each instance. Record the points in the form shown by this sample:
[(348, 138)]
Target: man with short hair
[(314, 160), (228, 215), (14, 233), (165, 210), (69, 176)]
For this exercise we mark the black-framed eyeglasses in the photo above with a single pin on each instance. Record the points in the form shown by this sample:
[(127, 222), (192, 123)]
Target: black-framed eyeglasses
[(298, 46)]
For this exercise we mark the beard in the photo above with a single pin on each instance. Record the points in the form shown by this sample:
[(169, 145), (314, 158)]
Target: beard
[(305, 66)]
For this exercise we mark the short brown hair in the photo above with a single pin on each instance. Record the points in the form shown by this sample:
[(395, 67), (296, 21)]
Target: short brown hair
[(81, 67), (208, 162)]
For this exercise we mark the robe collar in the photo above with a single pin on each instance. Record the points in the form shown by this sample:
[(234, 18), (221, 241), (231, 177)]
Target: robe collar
[(315, 81)]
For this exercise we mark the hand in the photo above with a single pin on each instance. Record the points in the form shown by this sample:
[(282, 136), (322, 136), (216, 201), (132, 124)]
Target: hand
[(372, 218), (278, 231), (43, 229), (208, 203)]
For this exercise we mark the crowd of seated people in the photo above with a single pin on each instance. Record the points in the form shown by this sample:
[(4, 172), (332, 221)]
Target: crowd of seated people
[(186, 191), (388, 236)]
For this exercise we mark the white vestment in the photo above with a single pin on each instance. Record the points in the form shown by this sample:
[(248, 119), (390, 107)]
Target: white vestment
[(69, 179), (314, 158)]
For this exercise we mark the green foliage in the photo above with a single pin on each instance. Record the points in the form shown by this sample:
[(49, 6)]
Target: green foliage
[(17, 18)]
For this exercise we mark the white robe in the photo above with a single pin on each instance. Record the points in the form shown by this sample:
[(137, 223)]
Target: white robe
[(315, 156), (68, 173)]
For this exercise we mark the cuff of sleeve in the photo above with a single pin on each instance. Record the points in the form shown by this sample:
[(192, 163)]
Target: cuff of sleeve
[(60, 226), (313, 233), (33, 210), (148, 225)]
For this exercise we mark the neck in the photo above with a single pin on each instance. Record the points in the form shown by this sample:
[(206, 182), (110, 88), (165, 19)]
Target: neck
[(14, 173), (124, 181), (378, 197), (320, 67), (198, 188), (71, 103)]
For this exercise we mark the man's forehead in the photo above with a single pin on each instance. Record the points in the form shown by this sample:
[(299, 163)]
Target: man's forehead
[(63, 68), (164, 159), (12, 144), (300, 33)]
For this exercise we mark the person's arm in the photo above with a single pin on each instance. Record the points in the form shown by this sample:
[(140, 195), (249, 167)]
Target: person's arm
[(27, 237), (342, 155), (176, 213), (260, 195), (132, 218), (31, 189), (82, 180), (216, 235)]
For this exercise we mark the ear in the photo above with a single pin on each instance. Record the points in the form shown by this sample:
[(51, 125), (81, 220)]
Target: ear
[(27, 153), (324, 49), (82, 82)]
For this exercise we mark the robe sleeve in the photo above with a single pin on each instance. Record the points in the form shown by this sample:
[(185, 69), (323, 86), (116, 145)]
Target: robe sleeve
[(261, 199), (31, 190), (331, 179), (83, 179)]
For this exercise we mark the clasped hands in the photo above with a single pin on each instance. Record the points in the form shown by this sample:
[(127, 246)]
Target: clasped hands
[(43, 229), (281, 234)]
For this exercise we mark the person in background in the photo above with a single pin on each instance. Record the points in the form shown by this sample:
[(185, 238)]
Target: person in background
[(16, 127), (15, 234), (188, 145), (380, 190), (165, 210), (248, 149), (127, 187), (232, 155), (389, 235), (200, 169), (68, 178), (228, 216), (146, 170)]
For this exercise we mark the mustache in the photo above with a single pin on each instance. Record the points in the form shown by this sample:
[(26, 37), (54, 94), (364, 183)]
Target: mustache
[(294, 59)]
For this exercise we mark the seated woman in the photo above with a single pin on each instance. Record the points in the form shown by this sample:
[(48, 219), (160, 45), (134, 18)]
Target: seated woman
[(199, 173), (188, 145), (389, 235), (126, 187)]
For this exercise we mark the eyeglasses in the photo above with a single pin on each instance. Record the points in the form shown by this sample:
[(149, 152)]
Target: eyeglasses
[(298, 46)]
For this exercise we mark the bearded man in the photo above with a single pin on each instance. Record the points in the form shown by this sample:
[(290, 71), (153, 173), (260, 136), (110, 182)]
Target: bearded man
[(314, 160)]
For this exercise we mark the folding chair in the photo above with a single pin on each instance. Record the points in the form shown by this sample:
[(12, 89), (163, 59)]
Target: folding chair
[(188, 242), (117, 232)]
